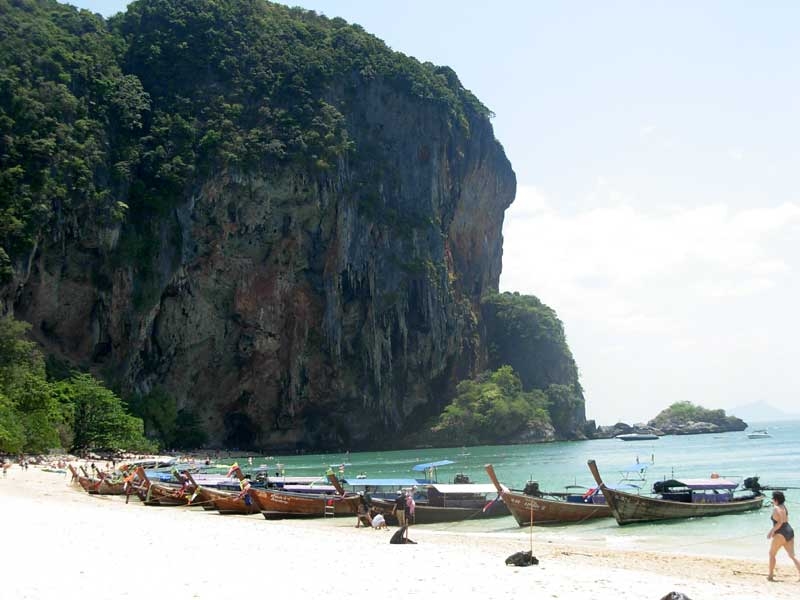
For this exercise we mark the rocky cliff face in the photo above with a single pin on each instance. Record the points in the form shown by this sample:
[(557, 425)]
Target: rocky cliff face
[(292, 308)]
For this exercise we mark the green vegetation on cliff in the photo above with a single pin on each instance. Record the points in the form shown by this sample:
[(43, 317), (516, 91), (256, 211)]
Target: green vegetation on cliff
[(100, 117), (527, 335), (239, 194), (165, 423), (680, 414), (61, 93), (37, 414), (495, 409), (492, 409)]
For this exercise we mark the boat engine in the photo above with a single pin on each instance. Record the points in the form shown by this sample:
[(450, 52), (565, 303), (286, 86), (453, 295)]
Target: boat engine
[(532, 489), (751, 483)]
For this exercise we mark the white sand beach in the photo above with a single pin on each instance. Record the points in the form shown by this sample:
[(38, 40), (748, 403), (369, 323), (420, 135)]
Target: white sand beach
[(58, 542)]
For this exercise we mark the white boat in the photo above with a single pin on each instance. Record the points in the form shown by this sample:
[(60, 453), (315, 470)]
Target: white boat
[(636, 437), (758, 434)]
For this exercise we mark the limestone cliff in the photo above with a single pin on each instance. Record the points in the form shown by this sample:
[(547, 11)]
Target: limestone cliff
[(289, 305)]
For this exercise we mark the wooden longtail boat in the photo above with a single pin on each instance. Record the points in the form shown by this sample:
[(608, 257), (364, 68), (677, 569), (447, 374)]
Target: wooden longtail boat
[(434, 502), (548, 511), (227, 503), (204, 497), (474, 505), (277, 503), (74, 479), (88, 483), (162, 494), (106, 486), (678, 500)]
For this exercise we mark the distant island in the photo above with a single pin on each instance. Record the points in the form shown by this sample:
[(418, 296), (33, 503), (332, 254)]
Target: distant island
[(681, 418), (763, 411)]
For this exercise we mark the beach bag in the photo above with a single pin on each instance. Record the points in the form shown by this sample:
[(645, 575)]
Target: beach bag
[(399, 537), (522, 559)]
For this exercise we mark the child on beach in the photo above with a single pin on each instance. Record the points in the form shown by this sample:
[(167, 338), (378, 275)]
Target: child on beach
[(379, 522)]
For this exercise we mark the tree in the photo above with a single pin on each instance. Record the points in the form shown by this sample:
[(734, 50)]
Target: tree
[(12, 435), (491, 409), (30, 411), (158, 412), (100, 420)]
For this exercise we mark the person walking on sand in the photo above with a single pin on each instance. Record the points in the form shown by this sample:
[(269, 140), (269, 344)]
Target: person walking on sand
[(781, 534), (6, 466)]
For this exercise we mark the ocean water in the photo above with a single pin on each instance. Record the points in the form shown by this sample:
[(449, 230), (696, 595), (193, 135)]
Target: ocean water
[(776, 460)]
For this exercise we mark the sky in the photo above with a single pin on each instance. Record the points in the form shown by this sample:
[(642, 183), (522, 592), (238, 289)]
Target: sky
[(656, 151)]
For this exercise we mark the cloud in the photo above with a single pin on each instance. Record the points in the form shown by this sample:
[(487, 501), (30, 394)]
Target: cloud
[(647, 130), (631, 263), (736, 154), (662, 303)]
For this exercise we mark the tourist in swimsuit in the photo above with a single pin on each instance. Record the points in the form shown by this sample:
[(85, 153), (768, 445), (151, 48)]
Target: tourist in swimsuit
[(781, 534)]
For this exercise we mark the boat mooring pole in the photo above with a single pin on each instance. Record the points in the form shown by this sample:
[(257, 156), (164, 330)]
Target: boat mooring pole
[(531, 528)]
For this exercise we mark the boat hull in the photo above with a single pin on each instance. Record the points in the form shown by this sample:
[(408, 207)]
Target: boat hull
[(537, 510), (528, 510), (633, 508), (205, 497), (630, 508), (425, 514), (106, 488), (234, 505), (277, 504), (163, 495)]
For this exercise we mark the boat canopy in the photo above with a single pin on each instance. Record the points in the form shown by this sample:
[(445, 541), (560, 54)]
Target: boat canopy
[(636, 467), (432, 465), (714, 483), (373, 483), (464, 488)]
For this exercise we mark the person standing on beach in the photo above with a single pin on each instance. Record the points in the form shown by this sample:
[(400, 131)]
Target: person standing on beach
[(410, 507), (781, 534), (399, 510)]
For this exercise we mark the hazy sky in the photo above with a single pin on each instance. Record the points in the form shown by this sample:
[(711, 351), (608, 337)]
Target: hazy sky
[(656, 152)]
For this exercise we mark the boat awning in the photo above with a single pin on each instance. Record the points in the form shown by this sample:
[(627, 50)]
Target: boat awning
[(709, 484), (636, 467), (464, 488), (374, 482), (432, 465)]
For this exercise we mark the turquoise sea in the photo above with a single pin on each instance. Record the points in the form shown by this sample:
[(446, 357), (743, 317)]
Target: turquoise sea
[(776, 460)]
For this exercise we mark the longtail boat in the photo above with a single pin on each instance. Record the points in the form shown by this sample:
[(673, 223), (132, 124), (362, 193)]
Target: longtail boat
[(677, 499), (440, 502), (108, 486), (162, 494), (539, 510), (86, 481), (225, 502), (277, 503), (434, 502)]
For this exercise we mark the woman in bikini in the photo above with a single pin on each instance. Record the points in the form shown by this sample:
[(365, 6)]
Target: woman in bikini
[(781, 534)]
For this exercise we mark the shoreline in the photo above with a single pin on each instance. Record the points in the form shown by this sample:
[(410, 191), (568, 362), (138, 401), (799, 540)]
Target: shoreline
[(65, 543)]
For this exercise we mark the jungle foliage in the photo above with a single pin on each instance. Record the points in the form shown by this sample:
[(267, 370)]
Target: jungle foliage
[(527, 334), (38, 414), (687, 412), (491, 409), (108, 123), (165, 423)]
